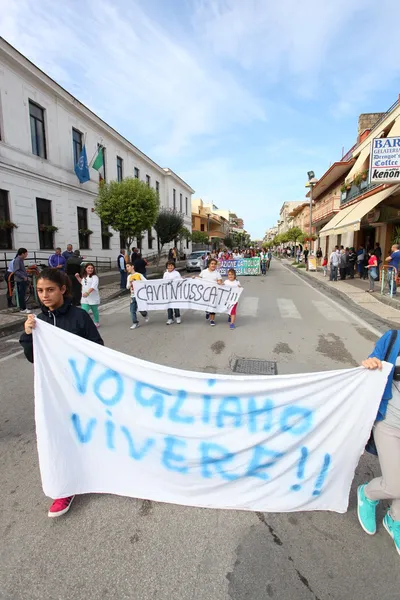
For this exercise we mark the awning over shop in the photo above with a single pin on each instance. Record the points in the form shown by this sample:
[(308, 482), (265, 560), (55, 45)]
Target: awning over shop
[(352, 220), (395, 131), (329, 228), (359, 164)]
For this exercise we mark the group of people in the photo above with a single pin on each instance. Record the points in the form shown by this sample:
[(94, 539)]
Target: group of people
[(264, 255), (136, 259)]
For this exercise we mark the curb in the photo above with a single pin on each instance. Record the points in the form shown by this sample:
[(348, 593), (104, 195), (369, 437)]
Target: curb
[(16, 326), (342, 296)]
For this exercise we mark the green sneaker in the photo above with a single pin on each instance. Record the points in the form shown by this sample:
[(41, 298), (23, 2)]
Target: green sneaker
[(366, 510), (393, 529)]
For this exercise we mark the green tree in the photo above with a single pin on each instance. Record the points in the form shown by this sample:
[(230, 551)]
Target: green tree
[(294, 234), (200, 237), (228, 242), (168, 226), (185, 234), (129, 206)]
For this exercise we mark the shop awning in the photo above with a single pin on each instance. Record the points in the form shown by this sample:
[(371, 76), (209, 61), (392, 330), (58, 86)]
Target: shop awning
[(329, 228), (395, 131), (352, 221), (359, 165)]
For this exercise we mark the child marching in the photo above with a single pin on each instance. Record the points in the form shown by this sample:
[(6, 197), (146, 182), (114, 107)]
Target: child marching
[(211, 274), (90, 300), (130, 285), (171, 273), (232, 282)]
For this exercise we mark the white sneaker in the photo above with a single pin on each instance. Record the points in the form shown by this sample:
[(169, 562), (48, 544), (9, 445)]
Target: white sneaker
[(134, 326), (169, 322), (26, 311), (178, 320), (146, 319)]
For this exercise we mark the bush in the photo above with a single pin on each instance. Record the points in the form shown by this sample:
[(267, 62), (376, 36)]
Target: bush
[(301, 266)]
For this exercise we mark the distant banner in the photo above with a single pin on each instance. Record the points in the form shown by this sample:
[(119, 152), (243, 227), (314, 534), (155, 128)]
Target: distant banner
[(242, 266), (385, 160), (197, 294), (114, 424)]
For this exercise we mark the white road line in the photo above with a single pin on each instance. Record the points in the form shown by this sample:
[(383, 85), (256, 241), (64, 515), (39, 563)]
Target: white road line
[(329, 312), (288, 309), (120, 305), (248, 307), (13, 341), (13, 355), (346, 311)]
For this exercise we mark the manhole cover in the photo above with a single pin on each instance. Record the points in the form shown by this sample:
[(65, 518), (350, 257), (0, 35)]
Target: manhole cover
[(252, 366)]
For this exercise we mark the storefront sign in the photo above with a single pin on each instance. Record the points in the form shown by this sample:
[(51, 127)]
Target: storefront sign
[(242, 266), (312, 263), (385, 160)]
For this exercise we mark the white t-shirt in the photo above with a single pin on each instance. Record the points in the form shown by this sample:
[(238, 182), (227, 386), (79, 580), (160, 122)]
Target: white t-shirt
[(172, 275), (234, 283), (210, 275), (87, 283)]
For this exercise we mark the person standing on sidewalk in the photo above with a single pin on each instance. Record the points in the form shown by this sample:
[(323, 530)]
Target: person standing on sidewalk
[(334, 261), (53, 288), (73, 267), (372, 271), (122, 269), (21, 278), (57, 260), (360, 261), (69, 252), (393, 259), (386, 439), (352, 262), (306, 253), (343, 265)]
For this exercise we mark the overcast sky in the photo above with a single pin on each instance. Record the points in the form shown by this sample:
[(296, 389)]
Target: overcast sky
[(239, 97)]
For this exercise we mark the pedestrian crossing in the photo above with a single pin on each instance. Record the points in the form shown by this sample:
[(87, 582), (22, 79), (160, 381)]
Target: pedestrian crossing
[(250, 306)]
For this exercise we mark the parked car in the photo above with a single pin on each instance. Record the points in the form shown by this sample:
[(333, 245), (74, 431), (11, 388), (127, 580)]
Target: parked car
[(195, 261)]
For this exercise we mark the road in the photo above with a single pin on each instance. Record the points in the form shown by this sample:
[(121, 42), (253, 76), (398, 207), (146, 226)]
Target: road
[(110, 547)]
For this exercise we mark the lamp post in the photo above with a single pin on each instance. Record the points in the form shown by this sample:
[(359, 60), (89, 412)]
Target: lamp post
[(208, 229), (312, 180)]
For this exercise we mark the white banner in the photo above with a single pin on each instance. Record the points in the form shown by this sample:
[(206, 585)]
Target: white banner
[(385, 160), (110, 423), (197, 294)]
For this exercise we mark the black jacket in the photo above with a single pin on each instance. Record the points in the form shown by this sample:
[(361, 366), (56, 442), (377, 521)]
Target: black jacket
[(140, 266), (67, 317)]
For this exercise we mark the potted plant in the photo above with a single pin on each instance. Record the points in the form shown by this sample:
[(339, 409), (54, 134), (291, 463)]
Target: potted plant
[(48, 228), (357, 179), (4, 224), (85, 231), (364, 175), (108, 234), (343, 188), (348, 186)]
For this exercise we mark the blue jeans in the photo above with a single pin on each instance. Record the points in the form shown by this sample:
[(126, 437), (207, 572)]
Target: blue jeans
[(392, 277), (134, 311), (124, 277), (21, 290), (333, 273)]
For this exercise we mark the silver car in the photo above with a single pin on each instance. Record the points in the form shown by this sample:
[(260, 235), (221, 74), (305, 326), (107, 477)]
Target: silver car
[(195, 261)]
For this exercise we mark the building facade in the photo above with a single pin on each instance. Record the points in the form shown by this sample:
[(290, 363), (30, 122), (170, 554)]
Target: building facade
[(206, 219), (285, 219), (42, 131)]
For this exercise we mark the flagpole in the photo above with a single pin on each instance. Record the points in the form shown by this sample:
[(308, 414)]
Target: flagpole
[(100, 146)]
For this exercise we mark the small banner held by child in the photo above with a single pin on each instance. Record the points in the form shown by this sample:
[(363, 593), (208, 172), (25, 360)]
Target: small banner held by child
[(111, 423), (197, 294), (242, 266)]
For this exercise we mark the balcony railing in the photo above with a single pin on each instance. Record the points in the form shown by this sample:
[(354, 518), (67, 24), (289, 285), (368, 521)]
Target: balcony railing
[(357, 190)]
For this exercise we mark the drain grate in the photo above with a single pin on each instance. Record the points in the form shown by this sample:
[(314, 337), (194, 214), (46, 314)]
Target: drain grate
[(253, 366)]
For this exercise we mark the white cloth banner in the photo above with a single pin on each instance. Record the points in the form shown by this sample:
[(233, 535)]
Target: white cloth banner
[(110, 423), (197, 294)]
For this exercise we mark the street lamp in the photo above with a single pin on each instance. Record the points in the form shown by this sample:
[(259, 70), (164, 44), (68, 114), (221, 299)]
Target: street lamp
[(312, 180), (208, 229)]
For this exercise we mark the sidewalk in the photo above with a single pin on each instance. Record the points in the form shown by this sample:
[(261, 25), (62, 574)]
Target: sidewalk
[(12, 321), (355, 289)]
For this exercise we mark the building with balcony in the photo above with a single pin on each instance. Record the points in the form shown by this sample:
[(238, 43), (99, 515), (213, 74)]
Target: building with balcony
[(285, 219), (42, 131), (368, 213), (271, 233), (206, 219)]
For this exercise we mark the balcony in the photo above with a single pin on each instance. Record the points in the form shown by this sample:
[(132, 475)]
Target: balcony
[(357, 190)]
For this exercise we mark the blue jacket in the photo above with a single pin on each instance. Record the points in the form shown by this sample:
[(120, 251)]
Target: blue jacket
[(57, 259), (379, 351)]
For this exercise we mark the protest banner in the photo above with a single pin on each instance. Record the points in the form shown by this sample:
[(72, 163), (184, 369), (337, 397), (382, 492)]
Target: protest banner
[(242, 266), (111, 423), (197, 294)]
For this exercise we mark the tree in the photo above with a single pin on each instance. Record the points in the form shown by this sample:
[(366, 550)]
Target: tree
[(185, 234), (168, 226), (228, 242), (294, 234), (129, 206), (200, 237)]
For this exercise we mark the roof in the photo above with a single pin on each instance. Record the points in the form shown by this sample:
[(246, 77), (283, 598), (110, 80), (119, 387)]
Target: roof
[(336, 171)]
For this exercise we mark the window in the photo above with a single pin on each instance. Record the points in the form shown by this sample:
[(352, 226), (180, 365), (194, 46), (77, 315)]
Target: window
[(174, 199), (136, 173), (150, 239), (186, 205), (45, 222), (83, 228), (180, 203), (148, 180), (5, 234), (105, 237), (119, 168), (38, 138), (158, 188), (76, 144), (202, 227)]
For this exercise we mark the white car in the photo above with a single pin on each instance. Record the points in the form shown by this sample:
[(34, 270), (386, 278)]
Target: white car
[(195, 261)]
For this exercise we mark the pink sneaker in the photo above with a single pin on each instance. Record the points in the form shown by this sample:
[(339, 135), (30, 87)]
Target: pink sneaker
[(97, 325), (60, 506)]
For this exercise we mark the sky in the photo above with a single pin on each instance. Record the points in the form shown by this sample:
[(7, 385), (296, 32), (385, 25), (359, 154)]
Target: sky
[(239, 97)]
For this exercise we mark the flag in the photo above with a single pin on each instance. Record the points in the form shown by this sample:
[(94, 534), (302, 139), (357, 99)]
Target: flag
[(98, 163), (82, 167)]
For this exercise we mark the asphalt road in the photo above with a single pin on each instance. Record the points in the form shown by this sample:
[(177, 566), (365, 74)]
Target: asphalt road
[(109, 547)]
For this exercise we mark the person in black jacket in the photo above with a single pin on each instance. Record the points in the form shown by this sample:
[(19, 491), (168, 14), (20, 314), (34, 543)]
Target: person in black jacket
[(74, 265), (53, 288), (140, 265)]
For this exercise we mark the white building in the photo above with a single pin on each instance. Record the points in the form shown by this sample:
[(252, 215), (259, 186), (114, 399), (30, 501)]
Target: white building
[(42, 129)]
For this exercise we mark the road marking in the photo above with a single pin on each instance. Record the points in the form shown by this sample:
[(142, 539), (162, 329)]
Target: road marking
[(13, 341), (119, 305), (13, 355), (288, 309), (346, 311), (329, 312), (248, 307)]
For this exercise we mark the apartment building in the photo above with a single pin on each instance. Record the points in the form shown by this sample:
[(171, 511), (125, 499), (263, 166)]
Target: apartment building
[(42, 131)]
